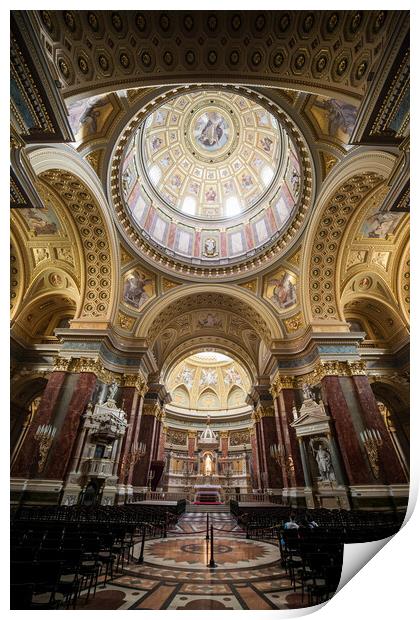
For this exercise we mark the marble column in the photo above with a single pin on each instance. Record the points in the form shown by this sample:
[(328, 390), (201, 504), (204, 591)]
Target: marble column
[(269, 438), (162, 441), (146, 435), (25, 465), (390, 470), (255, 478), (281, 441), (62, 447), (354, 459), (286, 404), (131, 400)]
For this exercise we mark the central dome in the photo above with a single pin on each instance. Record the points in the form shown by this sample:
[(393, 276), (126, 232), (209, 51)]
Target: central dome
[(211, 181), (211, 155)]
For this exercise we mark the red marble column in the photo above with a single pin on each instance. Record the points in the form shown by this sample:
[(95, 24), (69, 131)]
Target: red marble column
[(269, 434), (260, 454), (254, 459), (355, 461), (146, 435), (25, 465), (161, 447), (62, 447), (286, 403), (280, 435), (390, 469), (131, 401)]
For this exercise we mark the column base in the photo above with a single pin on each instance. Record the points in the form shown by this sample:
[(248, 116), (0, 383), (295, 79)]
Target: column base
[(380, 497), (35, 492), (294, 497)]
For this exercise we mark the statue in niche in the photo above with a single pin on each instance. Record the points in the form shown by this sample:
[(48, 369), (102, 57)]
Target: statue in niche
[(207, 465), (112, 390), (323, 459)]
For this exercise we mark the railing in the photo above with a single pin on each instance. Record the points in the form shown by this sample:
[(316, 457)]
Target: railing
[(254, 497), (158, 496), (101, 468)]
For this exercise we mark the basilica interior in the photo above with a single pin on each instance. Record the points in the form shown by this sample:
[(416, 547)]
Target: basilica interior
[(209, 297)]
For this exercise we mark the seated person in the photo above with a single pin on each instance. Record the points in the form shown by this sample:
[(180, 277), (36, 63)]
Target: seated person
[(291, 523)]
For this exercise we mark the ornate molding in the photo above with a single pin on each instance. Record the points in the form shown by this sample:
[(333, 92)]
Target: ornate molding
[(282, 382), (92, 227), (152, 410), (135, 381), (266, 411), (83, 365)]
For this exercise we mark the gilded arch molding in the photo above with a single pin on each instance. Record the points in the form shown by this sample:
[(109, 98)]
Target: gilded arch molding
[(359, 178), (185, 298), (76, 185)]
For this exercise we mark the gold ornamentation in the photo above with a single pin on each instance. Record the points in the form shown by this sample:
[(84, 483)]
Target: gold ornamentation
[(329, 231), (44, 436), (126, 322), (93, 232), (62, 364), (239, 438), (294, 323), (94, 159), (152, 410), (282, 382), (266, 411), (295, 258), (126, 257), (135, 381), (372, 441), (251, 285), (329, 162), (168, 285)]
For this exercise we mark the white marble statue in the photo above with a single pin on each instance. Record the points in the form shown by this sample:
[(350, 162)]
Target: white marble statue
[(323, 458), (112, 390), (307, 392), (207, 465)]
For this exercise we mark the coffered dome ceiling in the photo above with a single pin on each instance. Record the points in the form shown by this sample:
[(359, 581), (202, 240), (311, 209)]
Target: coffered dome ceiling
[(211, 179), (212, 155)]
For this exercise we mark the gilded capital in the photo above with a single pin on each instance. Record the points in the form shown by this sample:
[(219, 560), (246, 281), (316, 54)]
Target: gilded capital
[(62, 364), (266, 411)]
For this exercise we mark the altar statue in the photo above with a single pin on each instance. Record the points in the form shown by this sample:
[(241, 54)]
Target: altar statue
[(207, 465)]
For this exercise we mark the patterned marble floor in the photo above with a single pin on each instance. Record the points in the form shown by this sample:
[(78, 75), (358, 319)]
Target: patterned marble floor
[(175, 575)]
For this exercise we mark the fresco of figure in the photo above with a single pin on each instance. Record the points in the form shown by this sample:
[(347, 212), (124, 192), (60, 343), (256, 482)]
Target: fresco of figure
[(134, 289)]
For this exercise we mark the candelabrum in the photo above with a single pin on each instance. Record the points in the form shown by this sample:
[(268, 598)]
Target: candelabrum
[(136, 453), (150, 477), (44, 436), (279, 454), (372, 441)]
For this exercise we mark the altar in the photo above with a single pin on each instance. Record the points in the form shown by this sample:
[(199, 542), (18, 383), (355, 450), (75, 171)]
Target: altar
[(207, 494)]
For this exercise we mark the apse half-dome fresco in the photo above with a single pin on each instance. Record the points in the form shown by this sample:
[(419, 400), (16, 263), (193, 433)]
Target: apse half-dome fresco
[(209, 177), (208, 381)]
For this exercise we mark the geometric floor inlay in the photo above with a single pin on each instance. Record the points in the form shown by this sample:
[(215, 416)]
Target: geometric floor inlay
[(174, 574)]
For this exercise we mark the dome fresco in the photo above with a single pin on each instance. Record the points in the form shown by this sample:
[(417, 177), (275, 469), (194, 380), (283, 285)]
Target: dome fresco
[(208, 381), (195, 161), (209, 177)]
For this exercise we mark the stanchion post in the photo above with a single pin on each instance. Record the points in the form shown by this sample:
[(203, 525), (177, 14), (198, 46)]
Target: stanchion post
[(141, 556), (212, 563), (207, 527)]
